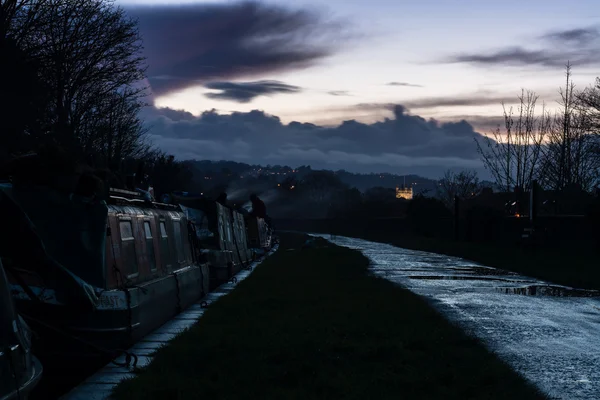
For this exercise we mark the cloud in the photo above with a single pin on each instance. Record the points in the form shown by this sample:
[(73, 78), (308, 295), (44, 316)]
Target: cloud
[(169, 113), (193, 44), (403, 84), (581, 47), (458, 101), (339, 93), (404, 144), (580, 37), (481, 98), (481, 123), (245, 92)]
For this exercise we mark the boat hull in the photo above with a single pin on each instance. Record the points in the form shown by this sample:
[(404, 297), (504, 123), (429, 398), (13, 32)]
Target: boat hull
[(123, 318)]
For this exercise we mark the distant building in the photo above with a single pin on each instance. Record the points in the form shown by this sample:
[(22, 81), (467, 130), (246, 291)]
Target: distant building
[(404, 193)]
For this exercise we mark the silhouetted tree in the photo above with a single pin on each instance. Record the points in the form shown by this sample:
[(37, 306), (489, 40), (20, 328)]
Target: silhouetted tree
[(167, 175), (20, 20), (88, 55), (463, 185), (571, 156), (320, 186), (512, 156), (589, 98), (22, 101), (92, 63), (116, 132)]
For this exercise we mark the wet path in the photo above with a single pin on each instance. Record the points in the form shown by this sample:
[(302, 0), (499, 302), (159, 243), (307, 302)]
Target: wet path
[(550, 334)]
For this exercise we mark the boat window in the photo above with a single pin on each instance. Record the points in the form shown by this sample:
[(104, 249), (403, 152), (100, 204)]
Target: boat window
[(148, 230), (165, 252), (150, 245), (221, 231), (129, 255), (178, 241), (126, 230)]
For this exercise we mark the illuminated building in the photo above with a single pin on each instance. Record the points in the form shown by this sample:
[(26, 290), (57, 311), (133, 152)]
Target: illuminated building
[(404, 193)]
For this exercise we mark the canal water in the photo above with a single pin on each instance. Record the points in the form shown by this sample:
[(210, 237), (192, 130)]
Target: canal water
[(548, 333)]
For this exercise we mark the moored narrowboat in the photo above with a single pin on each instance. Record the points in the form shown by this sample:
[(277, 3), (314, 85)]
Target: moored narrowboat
[(20, 371), (226, 239), (107, 274)]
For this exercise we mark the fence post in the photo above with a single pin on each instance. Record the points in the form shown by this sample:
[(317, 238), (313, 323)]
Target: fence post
[(456, 218), (533, 196)]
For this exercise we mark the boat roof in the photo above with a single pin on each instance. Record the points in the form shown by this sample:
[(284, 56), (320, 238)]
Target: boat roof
[(135, 199)]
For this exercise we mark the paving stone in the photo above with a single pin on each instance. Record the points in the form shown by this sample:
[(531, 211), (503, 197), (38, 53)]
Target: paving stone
[(109, 377), (92, 391)]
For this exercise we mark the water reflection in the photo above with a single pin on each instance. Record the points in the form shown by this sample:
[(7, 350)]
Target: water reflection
[(550, 290)]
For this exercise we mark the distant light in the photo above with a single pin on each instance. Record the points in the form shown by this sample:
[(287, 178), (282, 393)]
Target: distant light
[(279, 184)]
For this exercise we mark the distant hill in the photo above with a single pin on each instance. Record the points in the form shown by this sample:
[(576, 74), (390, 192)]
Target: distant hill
[(217, 172)]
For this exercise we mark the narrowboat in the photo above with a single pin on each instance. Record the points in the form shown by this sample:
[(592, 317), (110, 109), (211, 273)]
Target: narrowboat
[(227, 240), (102, 273), (20, 371)]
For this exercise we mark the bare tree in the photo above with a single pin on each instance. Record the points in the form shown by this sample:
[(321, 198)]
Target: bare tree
[(115, 131), (463, 185), (589, 99), (571, 156), (512, 156), (320, 186), (92, 53), (20, 19), (88, 55)]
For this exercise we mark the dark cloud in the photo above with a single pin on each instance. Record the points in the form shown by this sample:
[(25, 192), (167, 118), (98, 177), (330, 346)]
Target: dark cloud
[(580, 47), (169, 113), (474, 99), (405, 143), (458, 101), (189, 45), (480, 123), (581, 37), (512, 56), (339, 93), (245, 92), (403, 84)]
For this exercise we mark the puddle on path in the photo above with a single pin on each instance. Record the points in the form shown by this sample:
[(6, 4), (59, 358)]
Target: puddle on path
[(459, 278), (550, 290), (482, 270)]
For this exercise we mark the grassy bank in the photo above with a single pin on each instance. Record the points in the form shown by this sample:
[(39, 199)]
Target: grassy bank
[(576, 267), (311, 323)]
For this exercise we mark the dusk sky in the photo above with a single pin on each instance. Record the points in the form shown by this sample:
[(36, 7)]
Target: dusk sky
[(384, 67)]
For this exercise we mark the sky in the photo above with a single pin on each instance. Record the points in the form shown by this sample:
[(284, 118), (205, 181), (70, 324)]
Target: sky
[(353, 84)]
